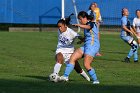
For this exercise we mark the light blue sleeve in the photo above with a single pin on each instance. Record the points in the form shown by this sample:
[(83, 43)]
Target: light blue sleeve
[(123, 21)]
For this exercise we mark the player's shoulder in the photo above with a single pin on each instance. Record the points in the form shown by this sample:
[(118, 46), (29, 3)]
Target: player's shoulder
[(135, 19), (124, 18), (69, 29)]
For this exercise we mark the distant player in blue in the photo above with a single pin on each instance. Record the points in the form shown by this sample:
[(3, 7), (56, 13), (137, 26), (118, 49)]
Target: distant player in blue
[(89, 49), (126, 35)]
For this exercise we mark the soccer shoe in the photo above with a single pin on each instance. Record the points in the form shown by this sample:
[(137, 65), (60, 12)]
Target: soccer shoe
[(127, 60), (96, 82), (62, 78), (135, 61)]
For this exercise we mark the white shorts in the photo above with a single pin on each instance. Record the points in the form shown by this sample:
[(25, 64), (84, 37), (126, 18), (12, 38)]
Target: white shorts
[(65, 55)]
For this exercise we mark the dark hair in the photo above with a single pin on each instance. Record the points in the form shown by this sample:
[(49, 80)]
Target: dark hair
[(137, 10), (65, 21), (62, 21), (94, 3), (82, 14)]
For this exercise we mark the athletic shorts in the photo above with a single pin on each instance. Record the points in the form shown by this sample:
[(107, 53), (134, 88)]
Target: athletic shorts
[(66, 56), (90, 50), (127, 39)]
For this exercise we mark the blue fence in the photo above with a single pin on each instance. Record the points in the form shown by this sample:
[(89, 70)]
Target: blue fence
[(49, 11)]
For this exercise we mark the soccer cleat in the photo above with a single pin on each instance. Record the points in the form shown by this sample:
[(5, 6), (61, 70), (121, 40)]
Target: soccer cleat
[(127, 60), (62, 78), (135, 61), (96, 82)]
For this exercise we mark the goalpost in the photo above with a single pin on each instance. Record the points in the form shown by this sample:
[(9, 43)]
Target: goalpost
[(75, 10)]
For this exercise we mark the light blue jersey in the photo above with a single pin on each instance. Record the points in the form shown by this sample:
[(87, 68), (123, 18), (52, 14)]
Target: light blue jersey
[(92, 44), (126, 36), (125, 21)]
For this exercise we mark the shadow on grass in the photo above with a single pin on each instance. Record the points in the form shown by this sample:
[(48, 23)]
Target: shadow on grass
[(36, 86)]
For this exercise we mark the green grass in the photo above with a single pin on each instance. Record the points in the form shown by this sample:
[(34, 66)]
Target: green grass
[(27, 58)]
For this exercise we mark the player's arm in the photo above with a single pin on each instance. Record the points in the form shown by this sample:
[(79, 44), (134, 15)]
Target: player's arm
[(133, 31), (83, 26), (126, 29)]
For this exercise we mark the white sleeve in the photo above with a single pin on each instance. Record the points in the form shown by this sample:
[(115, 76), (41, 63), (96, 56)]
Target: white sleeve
[(75, 34), (134, 22)]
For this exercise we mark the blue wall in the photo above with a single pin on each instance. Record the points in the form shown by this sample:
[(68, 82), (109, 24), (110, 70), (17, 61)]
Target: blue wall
[(49, 11), (28, 11)]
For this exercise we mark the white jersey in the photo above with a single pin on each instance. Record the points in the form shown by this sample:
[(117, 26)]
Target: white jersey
[(136, 24), (65, 41)]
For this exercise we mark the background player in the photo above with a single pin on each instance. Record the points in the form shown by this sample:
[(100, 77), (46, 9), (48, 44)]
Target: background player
[(126, 35), (65, 47), (89, 49), (95, 11), (136, 25)]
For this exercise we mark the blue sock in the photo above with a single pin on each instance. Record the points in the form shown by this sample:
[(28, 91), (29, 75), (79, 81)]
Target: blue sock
[(92, 74), (135, 55), (68, 70), (130, 54)]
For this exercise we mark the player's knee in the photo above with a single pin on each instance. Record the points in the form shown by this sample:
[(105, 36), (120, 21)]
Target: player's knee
[(59, 58), (87, 65)]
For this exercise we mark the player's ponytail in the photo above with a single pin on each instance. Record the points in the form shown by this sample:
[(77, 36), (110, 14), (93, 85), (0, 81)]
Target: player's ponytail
[(68, 19), (65, 21)]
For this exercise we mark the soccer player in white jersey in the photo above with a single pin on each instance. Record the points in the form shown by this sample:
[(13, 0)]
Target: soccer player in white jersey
[(65, 48), (136, 25)]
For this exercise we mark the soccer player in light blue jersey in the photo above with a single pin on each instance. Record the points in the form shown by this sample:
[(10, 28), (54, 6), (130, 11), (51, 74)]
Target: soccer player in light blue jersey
[(126, 35), (65, 48), (89, 49)]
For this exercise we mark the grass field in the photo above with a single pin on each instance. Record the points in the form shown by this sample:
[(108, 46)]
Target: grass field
[(27, 58)]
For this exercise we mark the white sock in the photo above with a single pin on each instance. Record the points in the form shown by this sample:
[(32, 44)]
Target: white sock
[(139, 45), (84, 75), (57, 68)]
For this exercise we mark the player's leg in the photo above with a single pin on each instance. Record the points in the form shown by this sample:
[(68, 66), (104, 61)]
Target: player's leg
[(87, 63), (98, 53), (59, 62), (134, 47), (75, 56), (133, 50), (129, 40), (79, 70)]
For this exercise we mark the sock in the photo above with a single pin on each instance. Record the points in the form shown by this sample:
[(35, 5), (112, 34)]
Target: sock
[(130, 53), (84, 75), (92, 74), (139, 45), (68, 70), (57, 68), (136, 55)]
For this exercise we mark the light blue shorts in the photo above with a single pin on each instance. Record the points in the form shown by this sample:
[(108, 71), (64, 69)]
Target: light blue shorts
[(127, 38), (90, 50)]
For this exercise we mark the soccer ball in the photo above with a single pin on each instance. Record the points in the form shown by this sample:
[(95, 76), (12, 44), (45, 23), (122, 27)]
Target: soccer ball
[(54, 77)]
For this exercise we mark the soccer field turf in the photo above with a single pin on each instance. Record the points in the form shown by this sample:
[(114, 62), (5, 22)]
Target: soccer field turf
[(27, 58)]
